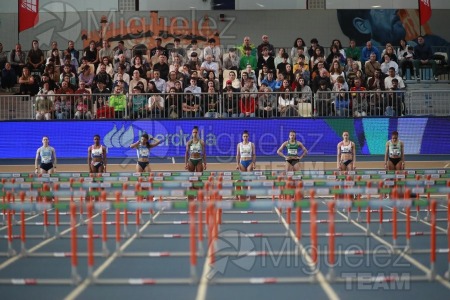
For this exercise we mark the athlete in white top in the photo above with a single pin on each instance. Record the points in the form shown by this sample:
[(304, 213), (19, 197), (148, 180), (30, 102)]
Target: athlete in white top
[(97, 156), (195, 156), (394, 157), (346, 153), (245, 154), (47, 157)]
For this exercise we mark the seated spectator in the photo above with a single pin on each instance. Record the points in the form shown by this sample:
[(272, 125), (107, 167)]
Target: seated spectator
[(299, 43), (230, 103), (35, 58), (44, 103), (65, 89), (56, 58), (101, 91), (390, 77), (265, 44), (287, 105), (194, 48), (87, 77), (353, 51), (194, 62), (235, 83), (91, 53), (315, 45), (73, 80), (103, 76), (175, 58), (17, 58), (267, 102), (211, 77), (262, 75), (173, 104), (9, 77), (155, 106), (122, 62), (406, 62), (300, 53), (53, 74), (423, 56), (270, 81), (82, 110), (211, 103), (335, 55), (139, 66), (395, 101), (106, 51), (367, 51), (214, 51), (171, 82), (247, 104), (84, 63), (28, 83), (342, 104), (62, 108), (323, 76), (190, 105), (371, 65), (388, 63), (376, 84), (304, 92), (339, 85), (231, 60), (103, 110), (137, 78), (119, 102), (109, 66), (389, 50), (322, 99), (124, 86), (248, 59), (178, 48), (359, 103), (280, 56), (193, 88), (289, 74), (122, 51), (318, 56), (124, 75), (159, 82), (336, 71), (265, 59), (137, 104), (162, 67)]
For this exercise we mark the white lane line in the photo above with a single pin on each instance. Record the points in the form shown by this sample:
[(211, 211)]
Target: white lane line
[(421, 221), (27, 219), (409, 258), (320, 277), (86, 282), (203, 285)]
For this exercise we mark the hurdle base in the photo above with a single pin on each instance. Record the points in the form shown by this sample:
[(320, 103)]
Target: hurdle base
[(432, 274), (447, 274), (380, 231), (331, 276), (76, 279), (105, 251), (23, 249), (11, 251)]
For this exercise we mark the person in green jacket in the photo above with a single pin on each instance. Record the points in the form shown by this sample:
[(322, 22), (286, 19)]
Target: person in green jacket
[(119, 101)]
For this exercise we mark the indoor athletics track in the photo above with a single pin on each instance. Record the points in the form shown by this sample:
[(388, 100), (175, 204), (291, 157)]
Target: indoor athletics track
[(308, 235)]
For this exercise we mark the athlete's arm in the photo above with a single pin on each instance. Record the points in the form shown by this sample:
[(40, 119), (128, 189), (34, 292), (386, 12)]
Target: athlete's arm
[(253, 155), (204, 153), (338, 158), (36, 160), (280, 150), (238, 155), (54, 158), (134, 145), (354, 155), (386, 154), (105, 160), (305, 151), (89, 159), (186, 155)]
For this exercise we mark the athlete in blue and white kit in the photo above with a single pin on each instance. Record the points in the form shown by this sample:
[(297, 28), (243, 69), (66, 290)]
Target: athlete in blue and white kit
[(97, 156), (245, 154), (143, 147), (346, 153), (47, 156)]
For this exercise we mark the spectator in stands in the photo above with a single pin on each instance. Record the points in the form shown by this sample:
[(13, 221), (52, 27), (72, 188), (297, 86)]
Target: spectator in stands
[(162, 67), (209, 65), (211, 103), (194, 63), (423, 56), (270, 81), (211, 80), (262, 75), (387, 64), (335, 71), (304, 92), (103, 76), (52, 72), (84, 63), (265, 59), (171, 82), (247, 44), (267, 102), (287, 105), (358, 99), (91, 53), (122, 70), (122, 62), (213, 50), (302, 69), (230, 103), (322, 99), (100, 93), (265, 43), (371, 65), (248, 59), (406, 61), (3, 57), (175, 57), (340, 84), (317, 57), (299, 43), (334, 55), (82, 109), (106, 51), (137, 104), (160, 47), (376, 84), (138, 66), (193, 88), (300, 54), (86, 76), (74, 54), (194, 48), (159, 82), (82, 90), (190, 105), (353, 51), (44, 103), (72, 77), (155, 106), (338, 44), (18, 59), (179, 48), (9, 77), (59, 108), (66, 101), (280, 56), (136, 79), (247, 104), (389, 50), (367, 51), (232, 79), (45, 78), (231, 60), (35, 58), (315, 45), (281, 67), (57, 59), (121, 49), (102, 110), (324, 76), (342, 104), (390, 77), (119, 102), (109, 67), (28, 84), (394, 101), (173, 104)]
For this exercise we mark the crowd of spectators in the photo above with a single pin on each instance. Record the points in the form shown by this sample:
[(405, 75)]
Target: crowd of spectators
[(247, 80)]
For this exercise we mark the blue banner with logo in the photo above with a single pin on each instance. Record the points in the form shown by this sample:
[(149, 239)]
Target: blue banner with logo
[(320, 136)]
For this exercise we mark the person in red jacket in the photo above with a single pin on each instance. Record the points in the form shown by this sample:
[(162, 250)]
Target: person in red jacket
[(247, 104)]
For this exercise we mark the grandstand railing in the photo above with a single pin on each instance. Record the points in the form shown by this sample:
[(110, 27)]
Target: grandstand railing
[(230, 105)]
